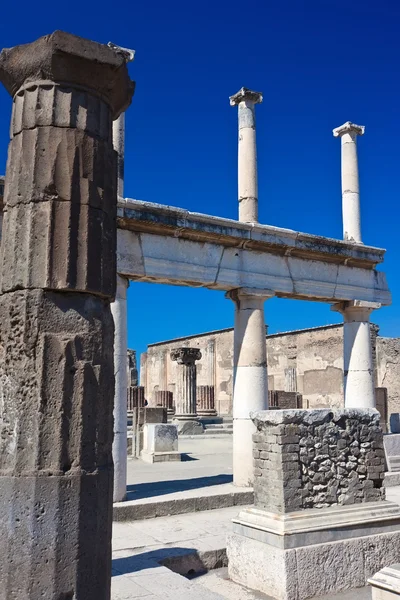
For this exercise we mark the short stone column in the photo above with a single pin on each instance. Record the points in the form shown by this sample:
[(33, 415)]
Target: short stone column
[(245, 100), (206, 401), (250, 387), (186, 417), (58, 276), (358, 365), (350, 182), (135, 397), (118, 310), (165, 398)]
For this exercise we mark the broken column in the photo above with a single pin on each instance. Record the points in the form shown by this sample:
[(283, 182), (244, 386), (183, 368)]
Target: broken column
[(120, 447), (358, 364), (250, 377), (165, 398), (186, 417), (205, 401), (245, 100), (319, 505), (350, 182), (58, 272)]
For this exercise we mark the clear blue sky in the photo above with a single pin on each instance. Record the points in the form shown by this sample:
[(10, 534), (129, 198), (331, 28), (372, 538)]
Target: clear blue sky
[(318, 62)]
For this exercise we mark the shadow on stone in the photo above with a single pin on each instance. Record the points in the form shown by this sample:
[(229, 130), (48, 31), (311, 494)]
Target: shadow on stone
[(158, 488)]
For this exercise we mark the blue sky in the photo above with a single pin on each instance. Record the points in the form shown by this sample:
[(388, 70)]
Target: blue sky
[(318, 62)]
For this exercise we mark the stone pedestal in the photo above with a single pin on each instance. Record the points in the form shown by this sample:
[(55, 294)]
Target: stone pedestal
[(319, 505), (386, 583), (206, 401), (250, 387), (160, 443), (186, 418), (165, 399), (58, 274), (358, 364)]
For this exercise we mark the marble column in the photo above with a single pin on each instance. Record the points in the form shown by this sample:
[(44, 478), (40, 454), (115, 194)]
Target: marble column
[(358, 364), (57, 279), (250, 387), (120, 450), (245, 100), (350, 183), (186, 417)]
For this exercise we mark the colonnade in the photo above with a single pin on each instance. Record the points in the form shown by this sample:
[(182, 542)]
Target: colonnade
[(250, 359)]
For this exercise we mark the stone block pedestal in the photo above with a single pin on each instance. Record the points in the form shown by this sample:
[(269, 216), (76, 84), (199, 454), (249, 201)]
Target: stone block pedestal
[(311, 553), (160, 443)]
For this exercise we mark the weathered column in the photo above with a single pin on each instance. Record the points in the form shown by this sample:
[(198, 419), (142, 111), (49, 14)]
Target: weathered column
[(165, 399), (206, 401), (350, 184), (186, 417), (245, 99), (358, 367), (250, 387), (58, 271), (120, 448), (136, 397)]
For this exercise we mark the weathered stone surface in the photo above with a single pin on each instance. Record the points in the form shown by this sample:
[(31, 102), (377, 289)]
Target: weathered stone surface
[(58, 277), (317, 458)]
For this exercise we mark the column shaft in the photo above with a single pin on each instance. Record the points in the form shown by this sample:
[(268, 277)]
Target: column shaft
[(250, 388), (57, 268), (119, 449)]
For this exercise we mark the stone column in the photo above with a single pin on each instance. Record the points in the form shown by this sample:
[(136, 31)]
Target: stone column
[(250, 387), (206, 401), (120, 451), (358, 367), (58, 271), (245, 99), (119, 147), (350, 184), (186, 417)]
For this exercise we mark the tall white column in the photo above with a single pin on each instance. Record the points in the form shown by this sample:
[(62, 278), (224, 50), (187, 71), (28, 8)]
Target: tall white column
[(250, 387), (245, 99), (350, 182), (120, 451), (358, 364)]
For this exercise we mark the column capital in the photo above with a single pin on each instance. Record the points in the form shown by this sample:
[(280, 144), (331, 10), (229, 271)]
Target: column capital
[(348, 127), (243, 95), (69, 60), (239, 294), (186, 356), (353, 307)]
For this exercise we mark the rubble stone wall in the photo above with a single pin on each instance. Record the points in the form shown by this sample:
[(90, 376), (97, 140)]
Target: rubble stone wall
[(317, 458)]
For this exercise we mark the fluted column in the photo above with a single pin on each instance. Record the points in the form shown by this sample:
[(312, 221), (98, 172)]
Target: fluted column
[(58, 271), (250, 387), (358, 364), (120, 447), (206, 401), (185, 400)]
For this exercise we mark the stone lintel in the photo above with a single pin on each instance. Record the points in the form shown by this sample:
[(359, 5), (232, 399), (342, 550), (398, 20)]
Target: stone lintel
[(73, 61), (319, 525), (387, 579), (185, 356), (347, 128), (243, 95)]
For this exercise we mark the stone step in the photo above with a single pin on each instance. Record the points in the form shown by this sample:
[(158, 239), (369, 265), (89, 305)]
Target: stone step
[(394, 463), (220, 426), (195, 500), (220, 431)]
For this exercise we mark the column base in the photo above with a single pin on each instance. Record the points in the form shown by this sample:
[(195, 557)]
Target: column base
[(308, 553), (155, 457), (188, 426), (207, 413)]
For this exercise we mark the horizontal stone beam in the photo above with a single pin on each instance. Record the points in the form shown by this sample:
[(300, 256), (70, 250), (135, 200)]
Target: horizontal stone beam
[(158, 259)]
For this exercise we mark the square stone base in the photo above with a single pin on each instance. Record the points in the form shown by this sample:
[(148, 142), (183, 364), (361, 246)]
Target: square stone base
[(314, 552), (153, 457)]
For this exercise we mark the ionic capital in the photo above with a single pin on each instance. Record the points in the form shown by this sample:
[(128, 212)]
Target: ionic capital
[(185, 356), (356, 310), (348, 127), (244, 295), (243, 95)]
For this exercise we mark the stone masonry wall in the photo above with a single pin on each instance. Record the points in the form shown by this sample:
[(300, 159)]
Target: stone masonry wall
[(317, 458)]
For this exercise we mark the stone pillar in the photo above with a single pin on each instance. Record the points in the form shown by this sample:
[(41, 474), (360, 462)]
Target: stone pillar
[(186, 417), (358, 366), (58, 272), (250, 387), (165, 399), (245, 99), (206, 401), (350, 184), (119, 147), (119, 310), (136, 397)]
